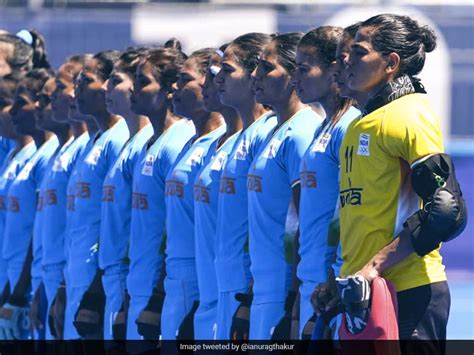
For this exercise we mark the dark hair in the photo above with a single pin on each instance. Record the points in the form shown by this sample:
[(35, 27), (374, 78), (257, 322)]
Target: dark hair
[(40, 56), (105, 62), (404, 36), (34, 81), (21, 55), (286, 45), (203, 58), (76, 63), (8, 86), (166, 63), (130, 59), (350, 31), (324, 40), (248, 49), (173, 43)]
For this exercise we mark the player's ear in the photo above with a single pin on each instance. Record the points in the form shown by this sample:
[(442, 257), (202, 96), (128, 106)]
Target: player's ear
[(393, 63)]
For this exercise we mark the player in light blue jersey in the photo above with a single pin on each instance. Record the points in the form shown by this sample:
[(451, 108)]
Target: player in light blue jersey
[(24, 205), (232, 261), (73, 138), (319, 167), (151, 96), (206, 192), (13, 163), (273, 185), (88, 176), (181, 279), (117, 188), (326, 295)]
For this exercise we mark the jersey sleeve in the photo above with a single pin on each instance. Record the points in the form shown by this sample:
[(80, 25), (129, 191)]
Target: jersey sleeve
[(411, 135), (294, 151)]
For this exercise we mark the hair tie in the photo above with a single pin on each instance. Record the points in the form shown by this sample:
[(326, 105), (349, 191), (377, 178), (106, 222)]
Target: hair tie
[(25, 36), (220, 53), (214, 69)]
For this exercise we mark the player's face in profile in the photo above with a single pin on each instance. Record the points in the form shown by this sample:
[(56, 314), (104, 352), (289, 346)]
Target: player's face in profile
[(272, 81), (187, 94), (24, 112), (45, 113), (118, 92), (366, 66), (340, 68), (312, 77), (148, 96), (89, 91), (63, 96), (233, 81), (210, 92)]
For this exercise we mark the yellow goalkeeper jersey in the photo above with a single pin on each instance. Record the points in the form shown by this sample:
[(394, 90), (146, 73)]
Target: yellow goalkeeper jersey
[(376, 196)]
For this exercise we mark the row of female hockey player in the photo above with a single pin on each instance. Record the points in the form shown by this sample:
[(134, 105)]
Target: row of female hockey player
[(145, 194)]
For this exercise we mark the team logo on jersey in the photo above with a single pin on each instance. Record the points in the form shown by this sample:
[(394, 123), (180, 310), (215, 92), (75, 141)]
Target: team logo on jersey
[(219, 161), (196, 156), (254, 183), (148, 165), (364, 140), (272, 149), (242, 150), (322, 142), (201, 194), (83, 189), (14, 204), (108, 192), (350, 196), (60, 163), (94, 155), (25, 172), (174, 188), (227, 185), (51, 197), (139, 201)]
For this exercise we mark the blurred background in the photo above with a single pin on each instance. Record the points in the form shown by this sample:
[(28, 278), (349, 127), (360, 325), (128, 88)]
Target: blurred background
[(78, 26)]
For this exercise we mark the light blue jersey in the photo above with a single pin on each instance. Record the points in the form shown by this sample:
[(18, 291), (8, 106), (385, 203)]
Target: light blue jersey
[(272, 175), (9, 170), (319, 174), (117, 202), (179, 197), (148, 205), (53, 191), (84, 225), (206, 193), (115, 225), (232, 261), (22, 205), (181, 279), (149, 215)]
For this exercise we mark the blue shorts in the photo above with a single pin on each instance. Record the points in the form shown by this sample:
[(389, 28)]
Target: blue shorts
[(114, 282), (181, 288), (226, 307), (205, 321), (264, 317), (52, 278)]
